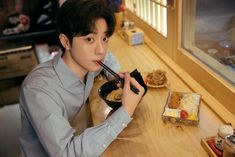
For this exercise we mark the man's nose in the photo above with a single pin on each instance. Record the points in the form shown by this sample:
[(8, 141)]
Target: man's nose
[(100, 48)]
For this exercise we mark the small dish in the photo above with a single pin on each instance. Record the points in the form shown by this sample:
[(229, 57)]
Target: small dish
[(156, 86), (159, 76)]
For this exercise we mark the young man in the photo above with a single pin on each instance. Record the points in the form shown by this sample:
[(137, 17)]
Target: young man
[(57, 90)]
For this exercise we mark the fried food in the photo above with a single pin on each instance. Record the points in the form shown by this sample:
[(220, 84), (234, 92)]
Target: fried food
[(175, 100), (157, 77), (115, 95)]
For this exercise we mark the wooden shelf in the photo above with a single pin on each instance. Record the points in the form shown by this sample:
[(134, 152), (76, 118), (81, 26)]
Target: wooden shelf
[(28, 35), (207, 147)]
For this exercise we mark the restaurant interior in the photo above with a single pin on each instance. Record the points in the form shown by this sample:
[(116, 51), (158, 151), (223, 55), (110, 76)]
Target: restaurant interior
[(184, 51)]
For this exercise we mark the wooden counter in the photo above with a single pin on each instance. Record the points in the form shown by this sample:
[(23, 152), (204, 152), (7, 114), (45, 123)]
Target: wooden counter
[(147, 135)]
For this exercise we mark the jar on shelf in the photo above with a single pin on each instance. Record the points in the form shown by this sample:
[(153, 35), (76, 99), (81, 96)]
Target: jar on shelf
[(229, 146), (225, 48), (223, 131)]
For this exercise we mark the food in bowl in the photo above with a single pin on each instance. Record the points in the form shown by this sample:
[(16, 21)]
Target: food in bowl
[(115, 95), (114, 101), (105, 90)]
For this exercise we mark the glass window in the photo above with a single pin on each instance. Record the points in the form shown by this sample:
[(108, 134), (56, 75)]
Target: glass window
[(153, 12), (209, 34)]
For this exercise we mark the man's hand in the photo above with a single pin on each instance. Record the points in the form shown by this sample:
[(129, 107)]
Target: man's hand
[(130, 100)]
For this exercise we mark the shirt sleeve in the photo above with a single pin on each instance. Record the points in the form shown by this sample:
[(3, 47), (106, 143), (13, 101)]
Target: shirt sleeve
[(57, 135)]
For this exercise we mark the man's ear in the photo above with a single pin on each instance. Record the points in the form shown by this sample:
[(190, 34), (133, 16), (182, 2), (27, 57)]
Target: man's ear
[(64, 41)]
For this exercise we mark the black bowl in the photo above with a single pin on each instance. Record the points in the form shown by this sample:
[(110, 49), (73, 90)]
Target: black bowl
[(109, 86)]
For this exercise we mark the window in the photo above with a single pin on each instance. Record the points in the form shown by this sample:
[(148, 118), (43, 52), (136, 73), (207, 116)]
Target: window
[(153, 12), (209, 34), (181, 43)]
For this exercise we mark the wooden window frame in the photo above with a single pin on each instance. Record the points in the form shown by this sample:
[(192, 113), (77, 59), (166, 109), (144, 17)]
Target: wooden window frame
[(217, 93), (214, 83)]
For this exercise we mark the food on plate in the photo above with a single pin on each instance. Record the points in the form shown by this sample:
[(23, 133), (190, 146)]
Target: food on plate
[(156, 78), (175, 100), (183, 114), (189, 103), (115, 95), (172, 112)]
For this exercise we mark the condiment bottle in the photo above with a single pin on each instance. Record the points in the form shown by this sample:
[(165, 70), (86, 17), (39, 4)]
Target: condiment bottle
[(225, 48), (229, 146), (223, 131)]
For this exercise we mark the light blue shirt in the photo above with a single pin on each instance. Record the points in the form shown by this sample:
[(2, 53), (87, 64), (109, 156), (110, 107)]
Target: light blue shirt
[(50, 97)]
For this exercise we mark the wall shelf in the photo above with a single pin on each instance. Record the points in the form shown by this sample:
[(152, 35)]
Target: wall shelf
[(29, 35)]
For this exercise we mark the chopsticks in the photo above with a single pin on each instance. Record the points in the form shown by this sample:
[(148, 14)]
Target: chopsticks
[(133, 88)]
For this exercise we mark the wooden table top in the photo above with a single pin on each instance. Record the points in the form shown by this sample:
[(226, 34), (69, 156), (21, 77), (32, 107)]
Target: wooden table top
[(147, 135)]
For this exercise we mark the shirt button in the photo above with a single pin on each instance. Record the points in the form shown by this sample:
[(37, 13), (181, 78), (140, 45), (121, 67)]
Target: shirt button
[(104, 145), (124, 124)]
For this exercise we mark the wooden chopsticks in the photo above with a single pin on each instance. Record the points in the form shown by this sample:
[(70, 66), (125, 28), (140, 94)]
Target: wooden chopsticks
[(133, 88)]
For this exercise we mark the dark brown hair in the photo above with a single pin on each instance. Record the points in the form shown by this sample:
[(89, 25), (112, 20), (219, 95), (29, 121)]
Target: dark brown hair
[(78, 17)]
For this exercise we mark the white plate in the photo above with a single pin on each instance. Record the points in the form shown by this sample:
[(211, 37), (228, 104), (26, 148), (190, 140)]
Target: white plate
[(156, 86)]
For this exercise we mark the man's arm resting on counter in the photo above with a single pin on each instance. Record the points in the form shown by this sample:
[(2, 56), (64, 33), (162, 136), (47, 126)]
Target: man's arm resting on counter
[(56, 134)]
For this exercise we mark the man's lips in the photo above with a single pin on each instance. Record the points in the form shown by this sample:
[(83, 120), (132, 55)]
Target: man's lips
[(96, 61)]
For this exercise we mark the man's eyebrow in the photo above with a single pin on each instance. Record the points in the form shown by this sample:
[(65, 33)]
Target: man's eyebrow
[(106, 32), (94, 32)]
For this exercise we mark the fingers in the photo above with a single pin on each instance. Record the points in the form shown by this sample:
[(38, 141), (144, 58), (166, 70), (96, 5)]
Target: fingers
[(122, 74), (127, 78), (130, 100), (131, 81), (137, 85)]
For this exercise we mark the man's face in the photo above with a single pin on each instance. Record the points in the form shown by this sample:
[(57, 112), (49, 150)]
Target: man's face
[(87, 50)]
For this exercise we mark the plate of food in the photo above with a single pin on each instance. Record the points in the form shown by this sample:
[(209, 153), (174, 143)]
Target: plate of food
[(182, 107), (156, 79)]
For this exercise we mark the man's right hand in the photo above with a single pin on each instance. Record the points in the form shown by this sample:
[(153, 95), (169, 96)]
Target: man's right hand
[(130, 100)]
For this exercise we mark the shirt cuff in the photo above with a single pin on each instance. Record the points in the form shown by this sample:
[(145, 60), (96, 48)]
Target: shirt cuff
[(119, 120)]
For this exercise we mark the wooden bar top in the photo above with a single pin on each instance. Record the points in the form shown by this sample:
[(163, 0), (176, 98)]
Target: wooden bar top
[(147, 135)]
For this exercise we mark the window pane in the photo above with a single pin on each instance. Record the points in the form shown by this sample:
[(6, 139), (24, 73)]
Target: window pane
[(152, 12), (209, 34)]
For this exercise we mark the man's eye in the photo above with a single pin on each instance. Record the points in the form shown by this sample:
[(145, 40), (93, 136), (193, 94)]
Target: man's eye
[(106, 39), (89, 39)]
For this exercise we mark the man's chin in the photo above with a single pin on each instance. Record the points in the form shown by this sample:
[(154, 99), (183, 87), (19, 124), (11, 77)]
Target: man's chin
[(95, 69)]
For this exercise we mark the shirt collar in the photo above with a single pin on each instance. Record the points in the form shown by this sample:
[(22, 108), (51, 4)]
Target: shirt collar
[(66, 76)]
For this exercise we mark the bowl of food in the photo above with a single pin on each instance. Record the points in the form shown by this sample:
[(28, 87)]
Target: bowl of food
[(112, 95)]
